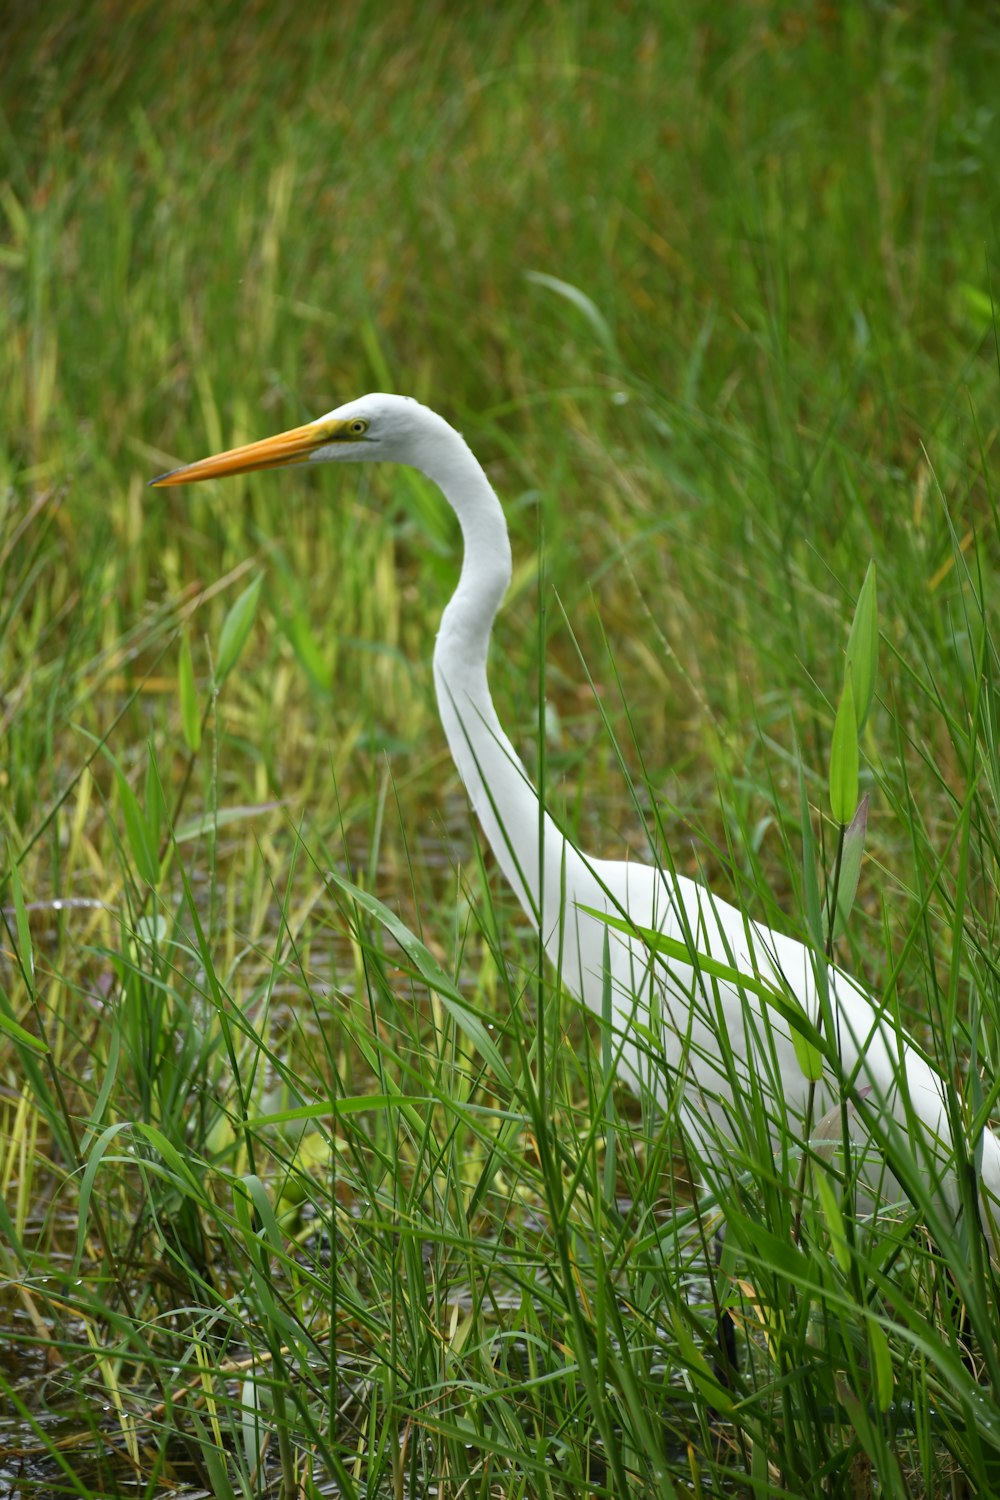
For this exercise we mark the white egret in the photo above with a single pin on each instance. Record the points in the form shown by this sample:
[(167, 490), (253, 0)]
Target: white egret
[(690, 1024)]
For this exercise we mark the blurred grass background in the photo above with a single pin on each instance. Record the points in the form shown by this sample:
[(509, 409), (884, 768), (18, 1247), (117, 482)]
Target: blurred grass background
[(221, 223), (709, 290)]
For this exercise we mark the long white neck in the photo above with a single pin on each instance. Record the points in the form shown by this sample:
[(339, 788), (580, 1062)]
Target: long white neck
[(540, 865)]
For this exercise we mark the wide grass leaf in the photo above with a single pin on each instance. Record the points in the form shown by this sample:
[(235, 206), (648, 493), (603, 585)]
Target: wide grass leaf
[(236, 628), (844, 757), (862, 648), (141, 839), (187, 693), (16, 1031), (882, 1360), (806, 1039)]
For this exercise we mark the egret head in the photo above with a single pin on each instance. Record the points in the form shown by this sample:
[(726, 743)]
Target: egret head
[(375, 427)]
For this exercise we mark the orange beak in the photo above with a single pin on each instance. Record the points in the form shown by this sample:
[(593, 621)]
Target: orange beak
[(292, 447)]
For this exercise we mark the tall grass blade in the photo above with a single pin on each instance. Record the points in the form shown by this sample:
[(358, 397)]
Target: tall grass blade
[(844, 757), (236, 629), (862, 648)]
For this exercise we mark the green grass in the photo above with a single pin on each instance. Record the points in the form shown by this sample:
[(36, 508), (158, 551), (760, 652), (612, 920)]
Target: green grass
[(307, 1190)]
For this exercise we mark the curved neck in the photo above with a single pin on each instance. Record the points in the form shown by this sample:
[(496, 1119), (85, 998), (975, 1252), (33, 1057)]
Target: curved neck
[(536, 859)]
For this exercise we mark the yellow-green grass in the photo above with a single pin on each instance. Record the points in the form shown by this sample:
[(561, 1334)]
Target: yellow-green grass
[(292, 1199)]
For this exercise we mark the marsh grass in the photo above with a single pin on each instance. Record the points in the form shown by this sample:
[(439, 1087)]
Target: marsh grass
[(317, 1182)]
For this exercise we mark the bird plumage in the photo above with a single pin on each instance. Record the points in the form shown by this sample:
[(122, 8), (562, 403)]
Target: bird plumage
[(715, 1037)]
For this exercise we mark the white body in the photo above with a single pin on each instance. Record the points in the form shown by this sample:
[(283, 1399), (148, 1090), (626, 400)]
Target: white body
[(694, 1012)]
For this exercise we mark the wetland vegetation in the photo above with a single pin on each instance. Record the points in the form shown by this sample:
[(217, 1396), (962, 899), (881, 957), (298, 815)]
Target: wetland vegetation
[(313, 1180)]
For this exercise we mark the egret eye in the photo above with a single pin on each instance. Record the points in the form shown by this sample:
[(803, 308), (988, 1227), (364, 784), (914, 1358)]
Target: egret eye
[(357, 427)]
